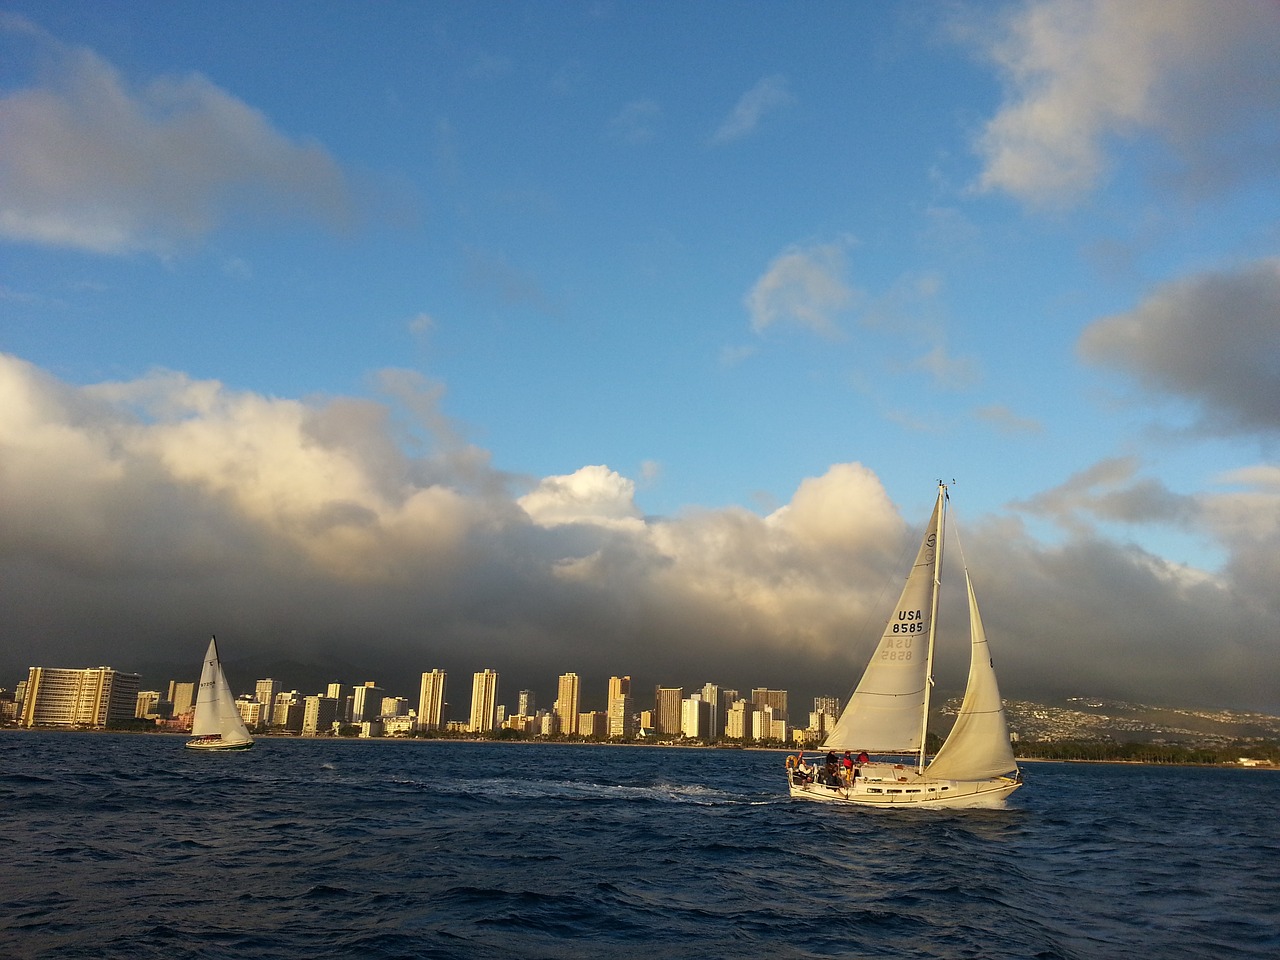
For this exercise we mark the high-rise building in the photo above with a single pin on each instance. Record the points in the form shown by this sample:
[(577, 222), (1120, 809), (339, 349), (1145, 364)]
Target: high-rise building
[(182, 696), (593, 723), (777, 699), (394, 707), (366, 702), (695, 717), (484, 701), (92, 697), (287, 712), (431, 700), (830, 705), (715, 699), (621, 709), (737, 724), (334, 692), (266, 691), (567, 703), (319, 714), (666, 709), (527, 704), (146, 704), (253, 712)]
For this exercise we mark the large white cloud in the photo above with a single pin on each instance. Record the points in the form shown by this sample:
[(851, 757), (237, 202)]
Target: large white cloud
[(140, 516), (94, 163), (1082, 74)]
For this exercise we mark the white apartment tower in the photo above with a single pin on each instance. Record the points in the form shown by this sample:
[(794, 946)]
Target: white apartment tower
[(431, 700), (695, 717), (93, 697), (567, 703), (484, 701)]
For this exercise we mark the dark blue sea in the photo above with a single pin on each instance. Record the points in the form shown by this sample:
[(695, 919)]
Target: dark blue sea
[(131, 846)]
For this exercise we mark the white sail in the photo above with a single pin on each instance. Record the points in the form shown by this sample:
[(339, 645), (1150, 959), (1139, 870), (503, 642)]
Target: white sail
[(216, 712), (884, 713), (978, 745)]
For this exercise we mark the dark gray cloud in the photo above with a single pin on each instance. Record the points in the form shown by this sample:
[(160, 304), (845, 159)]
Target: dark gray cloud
[(1213, 339)]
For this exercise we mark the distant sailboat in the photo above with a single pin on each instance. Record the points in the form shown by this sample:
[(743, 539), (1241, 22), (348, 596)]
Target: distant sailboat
[(217, 724), (889, 711)]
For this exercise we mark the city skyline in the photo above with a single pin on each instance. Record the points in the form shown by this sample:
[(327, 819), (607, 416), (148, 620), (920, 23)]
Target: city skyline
[(607, 336)]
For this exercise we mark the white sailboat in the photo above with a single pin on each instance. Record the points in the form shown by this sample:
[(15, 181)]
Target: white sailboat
[(889, 711), (217, 724)]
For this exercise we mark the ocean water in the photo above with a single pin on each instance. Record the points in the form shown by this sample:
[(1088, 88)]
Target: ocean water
[(131, 846)]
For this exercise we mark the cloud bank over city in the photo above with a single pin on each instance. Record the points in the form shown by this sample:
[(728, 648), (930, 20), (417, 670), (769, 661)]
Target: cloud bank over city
[(149, 506), (632, 341)]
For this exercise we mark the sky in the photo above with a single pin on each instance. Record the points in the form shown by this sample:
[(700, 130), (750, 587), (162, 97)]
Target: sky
[(634, 338)]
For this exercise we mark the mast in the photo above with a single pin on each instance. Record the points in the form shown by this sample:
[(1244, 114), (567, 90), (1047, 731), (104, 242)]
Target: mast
[(933, 622)]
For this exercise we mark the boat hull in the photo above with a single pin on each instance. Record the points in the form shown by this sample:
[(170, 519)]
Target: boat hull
[(913, 791), (217, 745)]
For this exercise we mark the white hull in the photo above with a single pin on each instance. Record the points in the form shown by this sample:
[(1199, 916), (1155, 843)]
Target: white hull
[(203, 743), (909, 790)]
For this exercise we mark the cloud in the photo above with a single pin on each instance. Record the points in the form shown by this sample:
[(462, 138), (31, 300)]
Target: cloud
[(768, 96), (492, 276), (1081, 74), (142, 515), (594, 495), (952, 373), (1007, 421), (637, 122), (92, 163), (804, 286), (1212, 339), (1111, 491)]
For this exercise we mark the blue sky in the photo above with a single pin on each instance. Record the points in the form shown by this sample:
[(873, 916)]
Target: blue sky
[(607, 287)]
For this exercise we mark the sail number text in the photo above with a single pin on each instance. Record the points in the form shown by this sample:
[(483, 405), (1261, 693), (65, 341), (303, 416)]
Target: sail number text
[(909, 621)]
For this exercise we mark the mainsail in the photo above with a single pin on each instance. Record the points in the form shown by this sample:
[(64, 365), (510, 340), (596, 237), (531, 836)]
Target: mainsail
[(884, 713), (216, 712), (978, 745)]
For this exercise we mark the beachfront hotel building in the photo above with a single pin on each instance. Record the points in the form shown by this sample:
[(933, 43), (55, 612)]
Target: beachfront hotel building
[(567, 697), (484, 701), (763, 697), (182, 695), (146, 704), (91, 697), (620, 708), (265, 692), (318, 715), (366, 702), (667, 704), (431, 700)]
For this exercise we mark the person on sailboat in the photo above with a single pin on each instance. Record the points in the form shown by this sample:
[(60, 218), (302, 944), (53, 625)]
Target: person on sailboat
[(847, 763), (863, 758)]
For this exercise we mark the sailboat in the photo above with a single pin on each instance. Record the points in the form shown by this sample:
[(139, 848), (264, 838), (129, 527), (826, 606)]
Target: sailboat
[(217, 724), (888, 713)]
